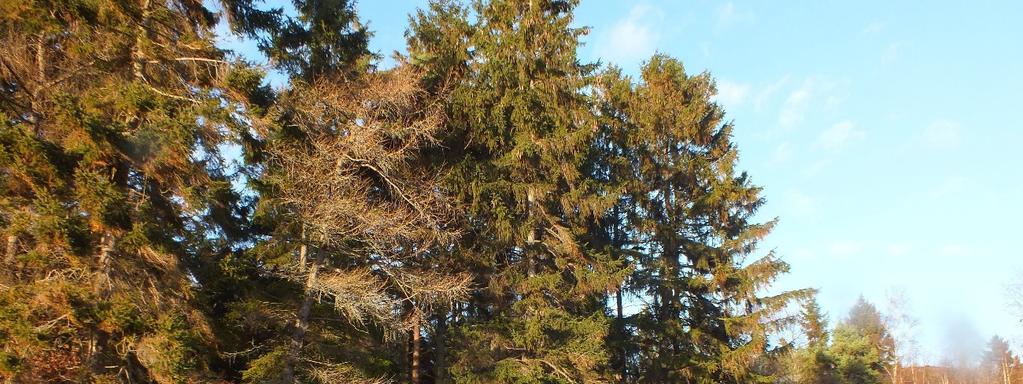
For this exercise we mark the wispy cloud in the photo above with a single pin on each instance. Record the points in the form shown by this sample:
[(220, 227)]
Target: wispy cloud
[(844, 248), (952, 250), (800, 204), (950, 187), (839, 136), (816, 167), (783, 153), (942, 133), (631, 40), (732, 94), (766, 94), (792, 112), (892, 52), (898, 249), (875, 27), (729, 15)]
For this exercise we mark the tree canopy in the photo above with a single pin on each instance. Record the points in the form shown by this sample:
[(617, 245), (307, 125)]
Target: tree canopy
[(476, 213)]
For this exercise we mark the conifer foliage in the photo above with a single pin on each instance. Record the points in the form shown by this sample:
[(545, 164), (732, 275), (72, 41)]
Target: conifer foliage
[(477, 213)]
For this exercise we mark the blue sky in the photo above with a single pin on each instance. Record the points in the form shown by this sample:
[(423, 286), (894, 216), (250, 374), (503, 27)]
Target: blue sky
[(886, 136)]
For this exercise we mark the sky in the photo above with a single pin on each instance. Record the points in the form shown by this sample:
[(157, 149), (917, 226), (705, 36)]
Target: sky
[(886, 136)]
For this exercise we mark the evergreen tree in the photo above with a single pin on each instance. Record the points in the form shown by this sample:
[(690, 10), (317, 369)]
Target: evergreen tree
[(522, 127), (862, 347), (814, 324), (691, 213), (999, 364), (476, 214), (813, 364), (114, 196)]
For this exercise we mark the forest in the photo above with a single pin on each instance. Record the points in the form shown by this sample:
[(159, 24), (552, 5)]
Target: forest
[(486, 210)]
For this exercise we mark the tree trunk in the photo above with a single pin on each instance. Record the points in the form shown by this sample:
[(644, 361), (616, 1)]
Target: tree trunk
[(441, 348), (106, 248), (621, 334), (302, 252), (302, 322), (416, 347), (36, 105), (137, 56), (11, 249)]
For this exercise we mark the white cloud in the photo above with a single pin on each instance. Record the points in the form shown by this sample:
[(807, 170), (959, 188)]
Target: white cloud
[(898, 249), (950, 187), (844, 248), (874, 28), (767, 93), (816, 168), (950, 250), (814, 90), (839, 136), (792, 112), (732, 94), (892, 52), (942, 134), (800, 204), (729, 15), (631, 40), (782, 153)]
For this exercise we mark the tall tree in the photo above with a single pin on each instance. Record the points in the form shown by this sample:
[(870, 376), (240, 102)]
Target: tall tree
[(114, 194), (521, 130), (691, 213), (349, 217)]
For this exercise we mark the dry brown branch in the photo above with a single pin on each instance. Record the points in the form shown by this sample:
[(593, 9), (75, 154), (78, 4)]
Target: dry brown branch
[(355, 179), (343, 373)]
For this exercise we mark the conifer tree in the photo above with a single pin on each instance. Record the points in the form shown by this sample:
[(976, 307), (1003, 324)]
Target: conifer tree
[(522, 129), (862, 347), (999, 364), (350, 217), (812, 363), (691, 212), (814, 324), (114, 194)]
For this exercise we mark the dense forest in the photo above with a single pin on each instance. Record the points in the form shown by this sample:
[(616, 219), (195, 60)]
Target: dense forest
[(481, 212)]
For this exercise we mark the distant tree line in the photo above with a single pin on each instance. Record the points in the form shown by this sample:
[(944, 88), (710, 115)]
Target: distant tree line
[(481, 212), (865, 347)]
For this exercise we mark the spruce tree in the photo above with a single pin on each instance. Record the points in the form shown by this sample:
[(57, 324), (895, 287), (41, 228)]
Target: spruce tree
[(521, 129), (114, 195), (692, 216), (812, 363), (861, 346), (814, 324)]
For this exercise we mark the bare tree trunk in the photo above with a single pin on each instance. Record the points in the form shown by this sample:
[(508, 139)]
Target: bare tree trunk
[(416, 346), (37, 113), (302, 322), (302, 252), (138, 58), (11, 250), (621, 332), (106, 248)]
